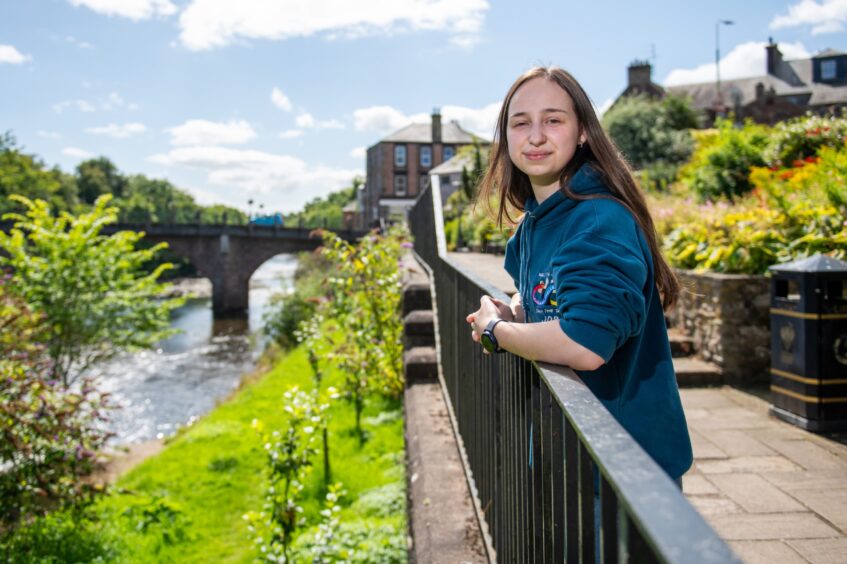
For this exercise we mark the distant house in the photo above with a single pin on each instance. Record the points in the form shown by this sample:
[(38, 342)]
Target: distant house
[(449, 174), (398, 165), (787, 89)]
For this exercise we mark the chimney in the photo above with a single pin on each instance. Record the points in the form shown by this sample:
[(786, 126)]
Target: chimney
[(774, 57), (436, 126), (639, 74)]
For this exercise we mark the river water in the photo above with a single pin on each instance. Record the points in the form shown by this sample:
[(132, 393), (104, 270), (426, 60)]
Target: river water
[(159, 390)]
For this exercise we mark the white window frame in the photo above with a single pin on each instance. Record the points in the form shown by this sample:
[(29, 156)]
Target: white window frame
[(829, 69), (399, 155), (398, 191), (426, 151)]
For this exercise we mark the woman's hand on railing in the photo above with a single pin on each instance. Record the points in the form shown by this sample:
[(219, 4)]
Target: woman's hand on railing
[(489, 309)]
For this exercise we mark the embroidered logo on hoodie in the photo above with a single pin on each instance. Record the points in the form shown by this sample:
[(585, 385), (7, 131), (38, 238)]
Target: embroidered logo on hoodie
[(544, 296)]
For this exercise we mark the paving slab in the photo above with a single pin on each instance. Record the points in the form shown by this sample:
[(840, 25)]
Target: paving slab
[(829, 504), (755, 494), (739, 443), (822, 551), (771, 526), (822, 480), (766, 552), (694, 483), (747, 464), (704, 448), (807, 454), (712, 505)]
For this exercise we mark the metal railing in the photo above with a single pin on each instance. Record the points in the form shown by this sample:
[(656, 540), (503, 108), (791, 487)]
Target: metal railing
[(541, 453)]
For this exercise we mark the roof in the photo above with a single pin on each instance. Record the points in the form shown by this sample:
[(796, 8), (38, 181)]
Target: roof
[(794, 78), (828, 53), (815, 263), (454, 164), (451, 132)]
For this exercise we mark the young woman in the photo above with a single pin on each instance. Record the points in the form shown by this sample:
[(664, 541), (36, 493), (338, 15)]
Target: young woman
[(592, 283)]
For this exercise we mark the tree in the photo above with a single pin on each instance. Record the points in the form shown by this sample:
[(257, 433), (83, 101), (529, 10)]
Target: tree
[(649, 131), (327, 211), (91, 288), (99, 176), (26, 175)]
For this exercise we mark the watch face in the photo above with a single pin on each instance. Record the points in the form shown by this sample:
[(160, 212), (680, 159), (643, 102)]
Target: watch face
[(487, 342)]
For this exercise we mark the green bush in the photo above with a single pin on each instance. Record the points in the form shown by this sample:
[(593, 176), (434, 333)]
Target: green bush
[(62, 537), (721, 163), (800, 138)]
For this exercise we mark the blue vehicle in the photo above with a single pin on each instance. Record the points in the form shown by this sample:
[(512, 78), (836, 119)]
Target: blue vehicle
[(275, 219)]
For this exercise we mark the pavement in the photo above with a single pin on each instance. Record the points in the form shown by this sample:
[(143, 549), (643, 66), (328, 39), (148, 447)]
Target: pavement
[(776, 493)]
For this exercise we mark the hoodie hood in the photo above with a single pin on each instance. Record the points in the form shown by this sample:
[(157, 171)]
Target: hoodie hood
[(585, 182)]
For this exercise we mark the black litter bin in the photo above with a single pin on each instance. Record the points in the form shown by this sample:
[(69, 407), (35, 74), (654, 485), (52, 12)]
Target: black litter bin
[(809, 343)]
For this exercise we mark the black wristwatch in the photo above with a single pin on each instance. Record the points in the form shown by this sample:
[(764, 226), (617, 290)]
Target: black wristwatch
[(488, 340)]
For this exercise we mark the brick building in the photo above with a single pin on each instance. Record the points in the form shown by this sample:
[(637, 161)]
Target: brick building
[(398, 165), (787, 89)]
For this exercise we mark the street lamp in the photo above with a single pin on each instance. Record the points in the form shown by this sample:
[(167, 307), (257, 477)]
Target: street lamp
[(719, 99)]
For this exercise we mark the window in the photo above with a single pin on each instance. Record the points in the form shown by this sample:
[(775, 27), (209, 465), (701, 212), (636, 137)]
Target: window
[(828, 69), (399, 184), (448, 153), (426, 156), (422, 182), (399, 155)]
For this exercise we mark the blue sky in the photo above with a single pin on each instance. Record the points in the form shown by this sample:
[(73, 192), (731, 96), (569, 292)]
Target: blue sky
[(276, 100)]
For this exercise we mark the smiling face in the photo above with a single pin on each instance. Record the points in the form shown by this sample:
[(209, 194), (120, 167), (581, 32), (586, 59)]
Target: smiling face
[(542, 133)]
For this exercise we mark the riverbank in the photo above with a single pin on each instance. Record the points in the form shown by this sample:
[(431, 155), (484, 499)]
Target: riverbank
[(200, 484)]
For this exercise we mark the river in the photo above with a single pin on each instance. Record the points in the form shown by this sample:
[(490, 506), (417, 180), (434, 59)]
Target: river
[(184, 376)]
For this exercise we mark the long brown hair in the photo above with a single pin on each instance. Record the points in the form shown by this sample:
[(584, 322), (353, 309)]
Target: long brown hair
[(512, 186)]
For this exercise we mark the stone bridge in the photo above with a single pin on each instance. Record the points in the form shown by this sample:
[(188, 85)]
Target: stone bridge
[(228, 254)]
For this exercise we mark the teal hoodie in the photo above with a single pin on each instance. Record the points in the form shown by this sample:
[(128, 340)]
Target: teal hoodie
[(587, 264)]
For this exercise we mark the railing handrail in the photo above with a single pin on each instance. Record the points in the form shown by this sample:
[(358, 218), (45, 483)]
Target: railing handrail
[(673, 529)]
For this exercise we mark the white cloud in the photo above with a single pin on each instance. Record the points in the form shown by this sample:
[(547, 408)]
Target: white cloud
[(115, 100), (282, 182), (359, 153), (280, 100), (8, 54), (132, 9), (290, 133), (55, 135), (308, 121), (206, 24), (77, 153), (829, 16), (78, 42), (80, 105), (203, 132), (385, 119), (746, 59), (118, 131)]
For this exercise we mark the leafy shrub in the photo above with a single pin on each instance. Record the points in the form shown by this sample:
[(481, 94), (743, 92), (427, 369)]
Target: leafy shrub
[(287, 311), (62, 537), (49, 432), (359, 542), (793, 213), (721, 163), (800, 138)]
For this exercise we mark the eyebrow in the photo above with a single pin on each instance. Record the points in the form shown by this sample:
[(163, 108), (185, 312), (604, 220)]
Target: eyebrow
[(546, 111)]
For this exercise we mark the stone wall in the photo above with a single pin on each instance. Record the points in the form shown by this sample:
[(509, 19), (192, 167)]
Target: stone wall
[(728, 317)]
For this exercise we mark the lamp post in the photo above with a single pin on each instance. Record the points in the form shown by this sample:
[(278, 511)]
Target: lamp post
[(719, 107)]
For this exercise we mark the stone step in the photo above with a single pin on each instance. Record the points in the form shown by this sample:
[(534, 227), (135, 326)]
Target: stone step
[(419, 329), (692, 371), (681, 344), (416, 295), (420, 364)]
